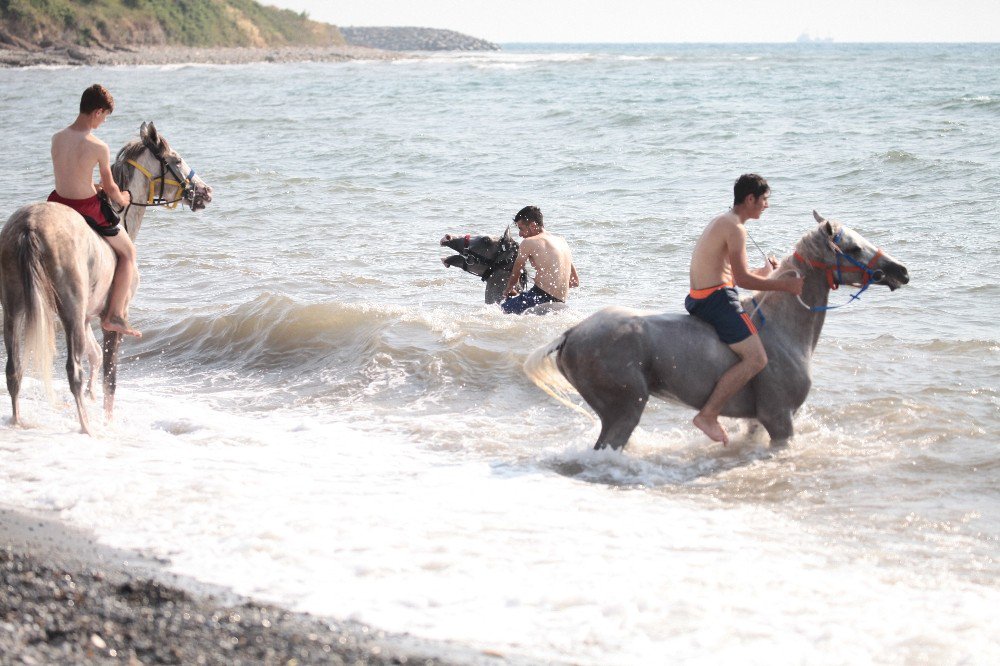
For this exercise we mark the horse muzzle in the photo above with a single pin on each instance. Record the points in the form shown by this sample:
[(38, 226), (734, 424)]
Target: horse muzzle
[(893, 276), (198, 196), (457, 243)]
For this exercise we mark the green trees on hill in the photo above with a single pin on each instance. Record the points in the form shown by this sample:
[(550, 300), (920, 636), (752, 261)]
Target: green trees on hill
[(138, 22)]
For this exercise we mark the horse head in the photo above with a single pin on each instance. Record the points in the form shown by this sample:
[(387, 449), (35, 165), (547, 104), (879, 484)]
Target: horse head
[(488, 257), (150, 166), (848, 258)]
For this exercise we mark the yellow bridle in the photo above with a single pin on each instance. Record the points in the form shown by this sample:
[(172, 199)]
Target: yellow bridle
[(164, 182)]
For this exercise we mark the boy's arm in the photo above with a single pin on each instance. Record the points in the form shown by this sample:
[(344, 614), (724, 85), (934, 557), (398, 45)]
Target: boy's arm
[(107, 180), (574, 279), (515, 272), (748, 279)]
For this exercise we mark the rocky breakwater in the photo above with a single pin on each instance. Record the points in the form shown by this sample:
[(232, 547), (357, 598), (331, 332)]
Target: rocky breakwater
[(415, 39)]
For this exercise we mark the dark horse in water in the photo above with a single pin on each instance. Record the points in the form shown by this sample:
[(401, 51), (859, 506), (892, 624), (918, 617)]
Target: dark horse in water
[(488, 257), (617, 358), (51, 262)]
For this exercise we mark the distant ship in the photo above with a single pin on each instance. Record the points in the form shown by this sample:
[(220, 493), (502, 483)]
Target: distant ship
[(804, 38)]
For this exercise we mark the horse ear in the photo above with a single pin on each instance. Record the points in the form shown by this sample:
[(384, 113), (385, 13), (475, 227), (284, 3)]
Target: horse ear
[(154, 138), (143, 131), (506, 233), (825, 223)]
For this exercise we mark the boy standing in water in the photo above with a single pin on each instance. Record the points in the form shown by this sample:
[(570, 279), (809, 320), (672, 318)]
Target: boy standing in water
[(75, 153), (549, 255), (718, 265)]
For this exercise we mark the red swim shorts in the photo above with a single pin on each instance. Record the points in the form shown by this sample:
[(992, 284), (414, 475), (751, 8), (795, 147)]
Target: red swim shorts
[(90, 208)]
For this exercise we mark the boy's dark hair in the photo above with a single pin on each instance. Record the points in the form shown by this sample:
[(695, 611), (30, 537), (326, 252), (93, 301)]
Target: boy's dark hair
[(747, 184), (96, 97), (530, 214)]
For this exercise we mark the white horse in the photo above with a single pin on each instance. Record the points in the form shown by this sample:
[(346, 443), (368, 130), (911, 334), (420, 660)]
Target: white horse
[(51, 262), (617, 358)]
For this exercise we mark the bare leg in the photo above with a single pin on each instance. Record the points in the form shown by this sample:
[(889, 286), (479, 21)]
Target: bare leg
[(753, 358), (121, 286)]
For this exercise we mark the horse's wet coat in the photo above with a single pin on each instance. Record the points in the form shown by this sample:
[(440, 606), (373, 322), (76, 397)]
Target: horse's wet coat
[(617, 357)]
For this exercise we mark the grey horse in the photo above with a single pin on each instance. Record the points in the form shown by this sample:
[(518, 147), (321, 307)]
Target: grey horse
[(51, 262), (488, 257), (617, 357)]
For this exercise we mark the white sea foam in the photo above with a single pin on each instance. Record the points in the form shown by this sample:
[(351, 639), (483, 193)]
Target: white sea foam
[(312, 514)]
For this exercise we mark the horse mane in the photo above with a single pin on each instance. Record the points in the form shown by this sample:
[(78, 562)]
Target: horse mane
[(814, 243)]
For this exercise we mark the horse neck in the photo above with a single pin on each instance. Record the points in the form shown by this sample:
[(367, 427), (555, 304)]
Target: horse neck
[(798, 324), (133, 220), (134, 214), (496, 284)]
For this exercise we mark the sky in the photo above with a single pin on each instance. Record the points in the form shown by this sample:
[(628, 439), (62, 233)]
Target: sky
[(506, 21)]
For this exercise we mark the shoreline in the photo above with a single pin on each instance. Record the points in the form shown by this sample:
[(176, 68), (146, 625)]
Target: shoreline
[(77, 56), (68, 599)]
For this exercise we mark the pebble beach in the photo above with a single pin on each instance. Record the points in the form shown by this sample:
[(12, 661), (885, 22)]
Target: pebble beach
[(166, 55), (65, 599)]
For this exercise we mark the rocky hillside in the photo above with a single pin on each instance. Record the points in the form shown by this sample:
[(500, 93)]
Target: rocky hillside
[(33, 24), (415, 39)]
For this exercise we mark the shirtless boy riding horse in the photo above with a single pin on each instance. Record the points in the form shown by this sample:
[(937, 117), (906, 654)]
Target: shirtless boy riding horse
[(549, 256), (75, 153), (719, 265)]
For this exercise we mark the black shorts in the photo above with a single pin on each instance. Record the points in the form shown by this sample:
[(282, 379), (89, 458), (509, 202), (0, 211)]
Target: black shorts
[(722, 310)]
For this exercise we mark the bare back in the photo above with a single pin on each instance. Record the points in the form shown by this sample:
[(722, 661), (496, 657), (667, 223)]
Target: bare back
[(711, 260), (552, 260), (74, 156)]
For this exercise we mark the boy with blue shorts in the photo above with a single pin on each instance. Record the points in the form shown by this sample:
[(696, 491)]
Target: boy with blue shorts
[(549, 255), (718, 265)]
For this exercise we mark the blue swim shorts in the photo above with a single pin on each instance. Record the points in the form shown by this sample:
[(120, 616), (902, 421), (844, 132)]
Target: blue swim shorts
[(721, 308), (529, 299)]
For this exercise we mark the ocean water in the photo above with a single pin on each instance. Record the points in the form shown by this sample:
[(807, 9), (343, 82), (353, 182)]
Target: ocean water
[(323, 416)]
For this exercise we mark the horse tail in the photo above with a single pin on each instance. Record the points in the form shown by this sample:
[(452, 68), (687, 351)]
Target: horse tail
[(541, 368), (38, 297)]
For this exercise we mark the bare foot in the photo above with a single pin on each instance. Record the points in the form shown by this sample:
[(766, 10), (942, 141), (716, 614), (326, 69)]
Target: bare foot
[(711, 427), (119, 325)]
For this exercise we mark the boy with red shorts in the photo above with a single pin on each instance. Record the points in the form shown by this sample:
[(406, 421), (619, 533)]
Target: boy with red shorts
[(75, 153)]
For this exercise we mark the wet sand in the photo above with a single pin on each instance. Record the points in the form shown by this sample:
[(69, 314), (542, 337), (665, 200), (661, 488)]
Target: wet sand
[(64, 598), (164, 55)]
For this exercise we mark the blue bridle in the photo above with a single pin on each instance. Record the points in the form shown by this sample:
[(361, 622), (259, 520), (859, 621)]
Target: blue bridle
[(835, 272)]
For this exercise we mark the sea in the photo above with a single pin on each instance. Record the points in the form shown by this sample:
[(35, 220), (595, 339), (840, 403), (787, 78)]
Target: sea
[(322, 416)]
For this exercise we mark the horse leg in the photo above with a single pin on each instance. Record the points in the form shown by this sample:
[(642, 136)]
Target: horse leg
[(620, 407), (111, 342), (778, 424), (93, 359), (619, 419), (74, 325), (15, 364)]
